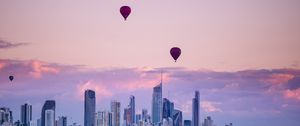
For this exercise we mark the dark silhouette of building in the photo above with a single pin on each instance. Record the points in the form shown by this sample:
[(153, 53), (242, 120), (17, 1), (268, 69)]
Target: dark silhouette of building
[(196, 109), (48, 105), (26, 114), (89, 108)]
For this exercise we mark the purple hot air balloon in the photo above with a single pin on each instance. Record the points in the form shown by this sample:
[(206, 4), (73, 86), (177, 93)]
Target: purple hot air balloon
[(175, 53), (125, 11), (11, 78)]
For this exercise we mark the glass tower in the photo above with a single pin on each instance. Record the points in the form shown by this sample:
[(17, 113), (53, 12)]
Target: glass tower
[(48, 105), (26, 114), (195, 111), (89, 108), (116, 113), (157, 104)]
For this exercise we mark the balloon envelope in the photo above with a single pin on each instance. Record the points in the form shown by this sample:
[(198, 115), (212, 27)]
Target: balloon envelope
[(11, 78), (175, 53), (125, 11)]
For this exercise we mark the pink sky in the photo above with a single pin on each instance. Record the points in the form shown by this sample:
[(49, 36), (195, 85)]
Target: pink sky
[(219, 35), (242, 55)]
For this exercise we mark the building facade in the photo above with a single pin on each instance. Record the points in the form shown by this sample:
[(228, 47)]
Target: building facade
[(89, 107)]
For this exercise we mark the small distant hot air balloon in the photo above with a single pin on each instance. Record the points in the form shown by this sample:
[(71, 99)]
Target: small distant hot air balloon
[(125, 11), (11, 78), (175, 53)]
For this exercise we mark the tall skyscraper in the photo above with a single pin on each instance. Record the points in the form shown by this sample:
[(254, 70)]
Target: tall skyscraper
[(127, 116), (116, 114), (196, 109), (48, 105), (62, 121), (129, 112), (26, 114), (6, 117), (177, 118), (168, 108), (89, 108), (132, 109), (208, 121), (187, 123), (157, 104), (144, 114), (49, 117), (138, 117), (109, 119)]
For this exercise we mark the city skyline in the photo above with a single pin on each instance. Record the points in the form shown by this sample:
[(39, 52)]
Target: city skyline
[(242, 56), (281, 83)]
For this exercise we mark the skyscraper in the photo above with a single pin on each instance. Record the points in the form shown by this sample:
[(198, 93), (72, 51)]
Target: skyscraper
[(138, 117), (6, 117), (49, 117), (102, 118), (116, 114), (62, 121), (157, 104), (196, 111), (127, 116), (177, 118), (48, 105), (89, 108), (187, 123), (132, 109), (208, 121), (168, 107), (144, 114), (26, 114)]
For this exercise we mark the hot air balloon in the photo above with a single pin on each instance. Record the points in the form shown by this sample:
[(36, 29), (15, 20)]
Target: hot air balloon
[(175, 53), (125, 11), (11, 78)]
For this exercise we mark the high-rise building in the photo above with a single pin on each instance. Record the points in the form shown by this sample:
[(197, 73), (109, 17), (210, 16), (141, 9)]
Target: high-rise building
[(144, 114), (177, 118), (138, 117), (49, 117), (168, 108), (39, 122), (6, 117), (132, 109), (187, 123), (62, 121), (48, 105), (26, 114), (157, 104), (208, 121), (129, 112), (196, 109), (167, 122), (109, 119), (89, 108), (116, 113), (127, 116), (103, 118)]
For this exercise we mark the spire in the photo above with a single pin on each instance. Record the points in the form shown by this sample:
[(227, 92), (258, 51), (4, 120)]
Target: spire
[(161, 77)]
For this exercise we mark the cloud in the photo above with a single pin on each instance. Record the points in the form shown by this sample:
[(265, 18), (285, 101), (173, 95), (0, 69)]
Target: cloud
[(209, 106), (100, 89), (292, 94), (278, 78), (6, 44), (255, 93), (38, 68)]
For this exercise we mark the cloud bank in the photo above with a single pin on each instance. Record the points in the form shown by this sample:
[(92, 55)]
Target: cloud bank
[(263, 94)]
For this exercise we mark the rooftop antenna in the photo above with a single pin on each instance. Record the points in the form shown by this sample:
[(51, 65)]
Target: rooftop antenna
[(161, 77)]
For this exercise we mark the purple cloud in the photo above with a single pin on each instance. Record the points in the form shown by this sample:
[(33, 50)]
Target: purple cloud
[(6, 44), (245, 94)]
